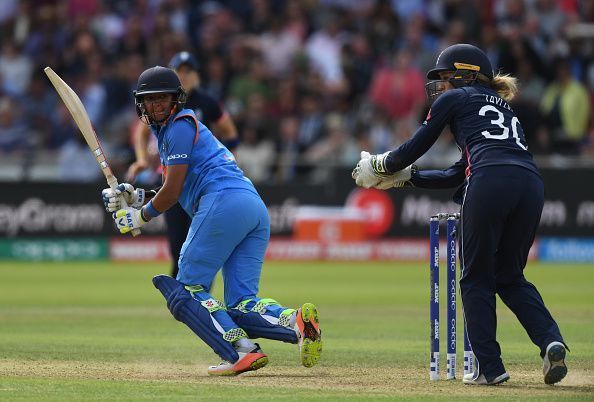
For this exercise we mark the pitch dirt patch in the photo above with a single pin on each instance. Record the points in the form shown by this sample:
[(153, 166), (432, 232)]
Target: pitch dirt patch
[(372, 382)]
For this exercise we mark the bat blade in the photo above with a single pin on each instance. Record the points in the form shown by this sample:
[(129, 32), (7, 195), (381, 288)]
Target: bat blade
[(81, 118)]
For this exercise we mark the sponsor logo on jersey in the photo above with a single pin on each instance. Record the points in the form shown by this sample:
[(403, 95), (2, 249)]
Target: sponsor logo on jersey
[(177, 156)]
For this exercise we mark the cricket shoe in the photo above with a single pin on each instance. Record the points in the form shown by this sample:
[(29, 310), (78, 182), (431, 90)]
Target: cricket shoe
[(248, 361), (309, 335), (473, 379), (554, 368)]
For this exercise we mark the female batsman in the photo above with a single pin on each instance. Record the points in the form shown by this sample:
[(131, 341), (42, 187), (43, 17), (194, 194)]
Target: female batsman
[(212, 115), (502, 198), (230, 229)]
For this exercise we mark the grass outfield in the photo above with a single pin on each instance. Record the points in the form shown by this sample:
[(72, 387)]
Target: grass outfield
[(100, 331)]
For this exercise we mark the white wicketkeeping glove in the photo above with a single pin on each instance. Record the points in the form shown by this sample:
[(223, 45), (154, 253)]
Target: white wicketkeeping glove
[(370, 170), (128, 219), (397, 179), (112, 198)]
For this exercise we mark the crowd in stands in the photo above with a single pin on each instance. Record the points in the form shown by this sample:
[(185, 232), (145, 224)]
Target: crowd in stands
[(309, 83)]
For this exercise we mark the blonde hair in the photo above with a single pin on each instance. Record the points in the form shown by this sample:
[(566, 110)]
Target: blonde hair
[(505, 85)]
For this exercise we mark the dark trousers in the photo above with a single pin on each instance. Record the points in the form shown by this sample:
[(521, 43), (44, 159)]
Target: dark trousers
[(499, 218), (178, 224)]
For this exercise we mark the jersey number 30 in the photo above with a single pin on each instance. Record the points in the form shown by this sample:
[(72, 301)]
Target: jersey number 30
[(499, 122)]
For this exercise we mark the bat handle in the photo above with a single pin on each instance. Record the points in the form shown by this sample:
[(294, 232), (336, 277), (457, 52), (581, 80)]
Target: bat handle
[(113, 183)]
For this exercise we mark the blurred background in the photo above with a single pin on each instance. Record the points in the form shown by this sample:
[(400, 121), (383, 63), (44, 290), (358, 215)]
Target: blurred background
[(309, 85)]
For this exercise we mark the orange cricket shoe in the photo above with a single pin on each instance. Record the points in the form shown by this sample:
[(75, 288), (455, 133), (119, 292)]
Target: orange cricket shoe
[(249, 361)]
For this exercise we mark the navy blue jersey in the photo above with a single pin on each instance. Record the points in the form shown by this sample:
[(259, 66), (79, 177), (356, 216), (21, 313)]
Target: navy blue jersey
[(485, 129), (206, 108)]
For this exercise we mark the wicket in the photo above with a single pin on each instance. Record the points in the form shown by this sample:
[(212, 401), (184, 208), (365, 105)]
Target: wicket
[(451, 256)]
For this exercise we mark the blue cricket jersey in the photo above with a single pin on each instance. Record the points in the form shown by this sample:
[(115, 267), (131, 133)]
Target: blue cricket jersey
[(485, 129), (183, 140)]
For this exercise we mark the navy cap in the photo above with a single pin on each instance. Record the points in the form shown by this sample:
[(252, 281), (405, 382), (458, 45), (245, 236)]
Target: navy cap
[(182, 58)]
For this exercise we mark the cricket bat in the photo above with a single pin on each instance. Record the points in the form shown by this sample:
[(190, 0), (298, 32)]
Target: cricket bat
[(80, 116)]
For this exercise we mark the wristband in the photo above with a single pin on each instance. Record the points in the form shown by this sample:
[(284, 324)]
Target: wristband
[(149, 210)]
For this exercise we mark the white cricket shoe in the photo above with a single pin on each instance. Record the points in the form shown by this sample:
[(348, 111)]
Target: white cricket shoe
[(553, 367), (473, 379), (248, 361)]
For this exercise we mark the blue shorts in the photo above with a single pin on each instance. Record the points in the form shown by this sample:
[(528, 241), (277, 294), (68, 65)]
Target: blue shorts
[(230, 230)]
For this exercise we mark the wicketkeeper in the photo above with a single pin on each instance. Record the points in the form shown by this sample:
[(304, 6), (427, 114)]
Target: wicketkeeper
[(502, 197)]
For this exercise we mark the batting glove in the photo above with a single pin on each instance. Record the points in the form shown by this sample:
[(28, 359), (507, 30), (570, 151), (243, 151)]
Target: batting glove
[(128, 219), (370, 170), (112, 198)]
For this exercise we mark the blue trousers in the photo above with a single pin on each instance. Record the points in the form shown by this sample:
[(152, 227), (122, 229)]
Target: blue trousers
[(500, 214), (229, 231)]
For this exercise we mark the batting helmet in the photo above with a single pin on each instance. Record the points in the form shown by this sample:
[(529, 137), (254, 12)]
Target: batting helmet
[(158, 80)]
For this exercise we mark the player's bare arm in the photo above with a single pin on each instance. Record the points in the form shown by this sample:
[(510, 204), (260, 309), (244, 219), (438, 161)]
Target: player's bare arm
[(141, 138), (168, 195)]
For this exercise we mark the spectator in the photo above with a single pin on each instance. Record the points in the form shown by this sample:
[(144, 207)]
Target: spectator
[(358, 65), (216, 77), (287, 149), (324, 51), (399, 89), (14, 134), (76, 163), (278, 47), (256, 154), (527, 107), (281, 66), (253, 81), (310, 122), (567, 110), (40, 108), (15, 69), (296, 20), (336, 149)]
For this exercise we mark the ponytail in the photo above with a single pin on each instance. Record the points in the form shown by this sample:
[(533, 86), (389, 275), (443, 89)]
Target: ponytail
[(505, 85)]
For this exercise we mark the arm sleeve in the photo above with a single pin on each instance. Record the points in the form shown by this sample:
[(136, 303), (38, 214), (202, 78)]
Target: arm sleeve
[(438, 117), (448, 178), (180, 141)]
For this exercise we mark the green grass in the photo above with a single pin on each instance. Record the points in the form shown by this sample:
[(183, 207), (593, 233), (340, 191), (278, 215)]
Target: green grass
[(100, 331)]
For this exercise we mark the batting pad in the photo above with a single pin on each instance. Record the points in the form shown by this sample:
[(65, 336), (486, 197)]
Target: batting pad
[(196, 316), (257, 326)]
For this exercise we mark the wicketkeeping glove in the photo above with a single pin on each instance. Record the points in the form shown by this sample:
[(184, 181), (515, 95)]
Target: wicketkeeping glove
[(128, 219), (370, 170), (112, 199), (398, 179)]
